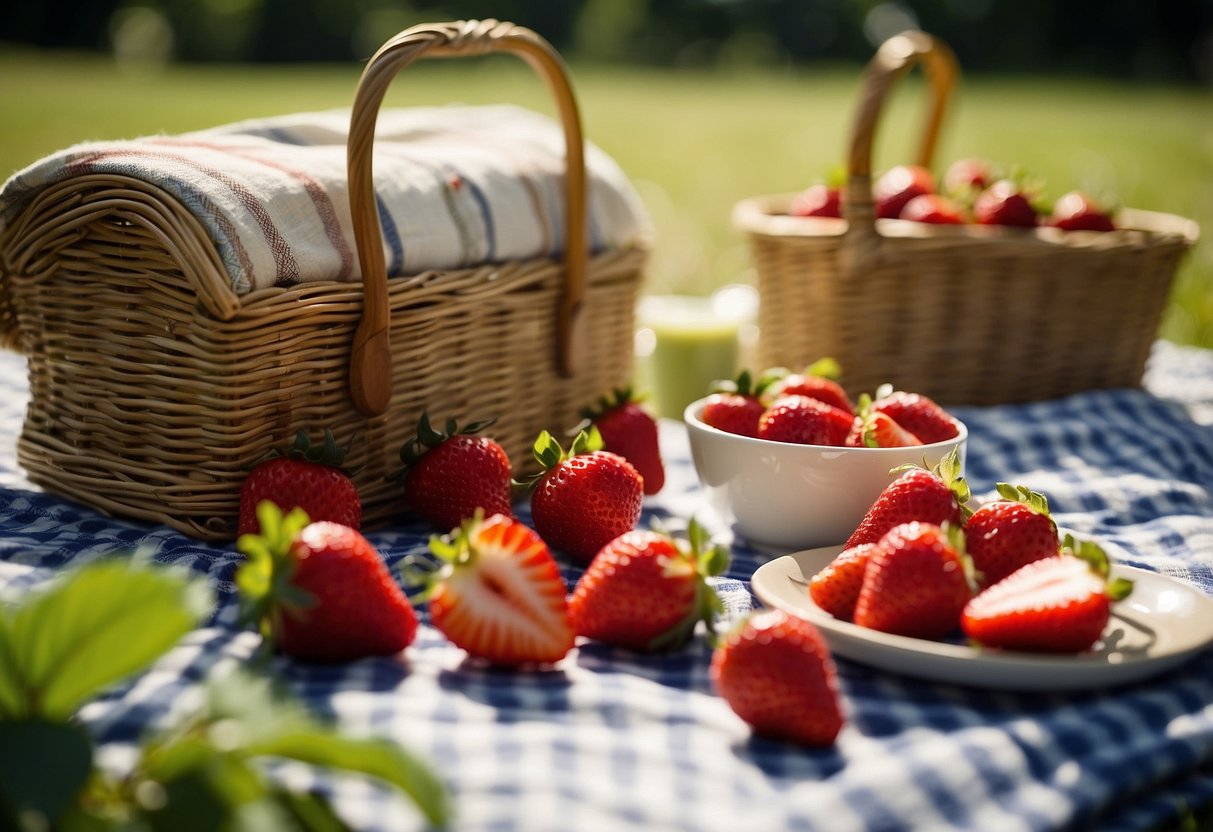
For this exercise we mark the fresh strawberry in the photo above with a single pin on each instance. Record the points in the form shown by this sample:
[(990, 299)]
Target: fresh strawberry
[(585, 498), (629, 430), (1005, 203), (644, 591), (319, 591), (897, 186), (835, 588), (916, 413), (736, 406), (916, 582), (934, 496), (1005, 534), (499, 594), (819, 200), (818, 381), (804, 421), (1078, 212), (933, 209), (776, 672), (450, 473), (874, 429), (307, 476), (965, 176), (1058, 604)]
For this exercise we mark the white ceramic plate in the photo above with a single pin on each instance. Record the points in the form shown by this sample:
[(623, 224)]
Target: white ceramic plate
[(1159, 626)]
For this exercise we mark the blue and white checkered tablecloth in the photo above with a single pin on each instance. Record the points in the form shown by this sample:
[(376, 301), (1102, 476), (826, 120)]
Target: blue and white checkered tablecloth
[(613, 740)]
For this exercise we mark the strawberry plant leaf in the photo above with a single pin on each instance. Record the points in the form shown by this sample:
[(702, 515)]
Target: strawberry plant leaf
[(43, 767), (11, 685), (99, 624), (376, 758), (715, 560), (308, 811), (1119, 589), (547, 450), (824, 368)]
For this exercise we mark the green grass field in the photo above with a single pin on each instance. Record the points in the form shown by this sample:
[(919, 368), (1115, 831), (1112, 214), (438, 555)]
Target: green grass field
[(694, 143)]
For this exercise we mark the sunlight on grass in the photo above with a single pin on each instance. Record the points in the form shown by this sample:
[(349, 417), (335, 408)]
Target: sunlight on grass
[(694, 143)]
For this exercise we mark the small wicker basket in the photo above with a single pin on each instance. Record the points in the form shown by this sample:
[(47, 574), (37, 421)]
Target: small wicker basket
[(154, 387), (965, 314)]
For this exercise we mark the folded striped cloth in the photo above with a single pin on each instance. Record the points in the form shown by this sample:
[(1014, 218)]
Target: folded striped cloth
[(456, 186)]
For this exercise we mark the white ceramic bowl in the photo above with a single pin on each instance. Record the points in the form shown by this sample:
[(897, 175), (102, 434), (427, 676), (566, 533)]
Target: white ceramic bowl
[(786, 497)]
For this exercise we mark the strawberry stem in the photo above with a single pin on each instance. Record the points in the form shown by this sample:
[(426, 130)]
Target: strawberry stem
[(710, 561), (264, 580)]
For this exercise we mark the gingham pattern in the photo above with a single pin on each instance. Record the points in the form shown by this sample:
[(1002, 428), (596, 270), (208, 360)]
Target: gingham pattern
[(455, 186), (612, 740)]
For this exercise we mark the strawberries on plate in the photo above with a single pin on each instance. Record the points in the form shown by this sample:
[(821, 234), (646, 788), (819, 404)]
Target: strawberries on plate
[(1005, 534), (929, 496), (1058, 604), (916, 582), (835, 588), (499, 594)]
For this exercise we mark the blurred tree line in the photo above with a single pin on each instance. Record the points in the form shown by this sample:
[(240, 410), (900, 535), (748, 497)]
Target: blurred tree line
[(1131, 39)]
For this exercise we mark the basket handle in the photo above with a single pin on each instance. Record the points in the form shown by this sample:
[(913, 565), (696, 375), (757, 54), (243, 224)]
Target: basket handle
[(371, 358), (892, 60)]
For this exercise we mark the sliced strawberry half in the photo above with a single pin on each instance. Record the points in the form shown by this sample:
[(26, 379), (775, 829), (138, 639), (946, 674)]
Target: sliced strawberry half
[(499, 594), (1058, 604)]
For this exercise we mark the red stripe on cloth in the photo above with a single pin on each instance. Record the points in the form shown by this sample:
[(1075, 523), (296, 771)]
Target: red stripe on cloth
[(83, 164), (317, 193), (286, 268)]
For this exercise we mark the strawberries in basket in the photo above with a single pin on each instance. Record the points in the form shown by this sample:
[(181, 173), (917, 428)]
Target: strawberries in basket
[(973, 191)]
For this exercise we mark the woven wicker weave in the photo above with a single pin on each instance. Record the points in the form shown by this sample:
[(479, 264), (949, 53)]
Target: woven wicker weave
[(964, 314), (154, 388)]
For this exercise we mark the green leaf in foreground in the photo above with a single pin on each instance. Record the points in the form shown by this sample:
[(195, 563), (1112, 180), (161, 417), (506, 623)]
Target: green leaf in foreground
[(43, 766), (380, 759), (245, 719), (99, 624)]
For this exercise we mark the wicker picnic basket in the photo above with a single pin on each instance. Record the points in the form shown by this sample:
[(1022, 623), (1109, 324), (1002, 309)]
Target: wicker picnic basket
[(154, 388), (965, 314)]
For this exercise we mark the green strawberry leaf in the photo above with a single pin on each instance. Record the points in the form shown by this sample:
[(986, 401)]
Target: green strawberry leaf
[(547, 450), (385, 761), (824, 368), (1034, 500), (1119, 589), (264, 579), (43, 768), (99, 624)]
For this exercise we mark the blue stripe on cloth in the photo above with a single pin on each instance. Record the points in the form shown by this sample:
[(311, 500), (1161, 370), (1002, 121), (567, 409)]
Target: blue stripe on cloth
[(486, 214), (391, 236)]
